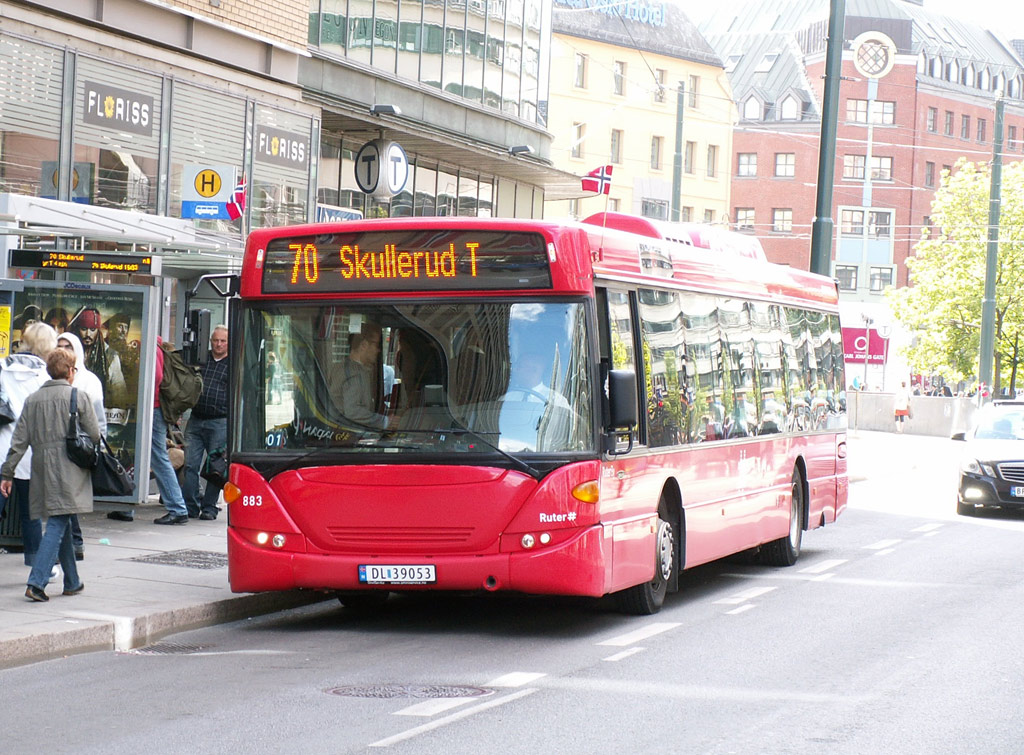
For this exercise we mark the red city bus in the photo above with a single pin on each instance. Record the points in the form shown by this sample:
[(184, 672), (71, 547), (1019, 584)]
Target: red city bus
[(546, 407)]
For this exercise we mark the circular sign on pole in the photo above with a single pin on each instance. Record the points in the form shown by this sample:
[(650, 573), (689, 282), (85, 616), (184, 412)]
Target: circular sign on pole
[(368, 166), (874, 54), (382, 168), (396, 168)]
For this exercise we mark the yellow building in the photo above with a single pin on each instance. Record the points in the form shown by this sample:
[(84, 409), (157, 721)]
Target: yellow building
[(616, 73)]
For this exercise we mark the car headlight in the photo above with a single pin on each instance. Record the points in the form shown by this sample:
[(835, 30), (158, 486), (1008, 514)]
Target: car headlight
[(976, 467)]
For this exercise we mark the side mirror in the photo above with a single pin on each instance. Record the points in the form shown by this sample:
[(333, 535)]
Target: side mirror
[(622, 399), (958, 436)]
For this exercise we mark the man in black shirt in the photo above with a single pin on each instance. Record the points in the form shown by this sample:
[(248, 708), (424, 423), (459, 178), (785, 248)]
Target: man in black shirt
[(207, 429)]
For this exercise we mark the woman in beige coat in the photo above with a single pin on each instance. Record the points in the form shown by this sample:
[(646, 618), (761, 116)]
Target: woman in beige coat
[(59, 487)]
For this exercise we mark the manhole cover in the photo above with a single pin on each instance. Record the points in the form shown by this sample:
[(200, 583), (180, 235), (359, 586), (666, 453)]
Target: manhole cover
[(167, 648), (385, 691), (192, 559)]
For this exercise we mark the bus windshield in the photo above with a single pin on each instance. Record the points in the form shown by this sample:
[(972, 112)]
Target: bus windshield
[(425, 378)]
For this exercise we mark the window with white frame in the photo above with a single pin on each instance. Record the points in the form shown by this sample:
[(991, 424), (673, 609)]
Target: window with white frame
[(657, 143), (619, 78), (709, 216), (580, 80), (846, 277), (932, 120), (752, 109), (689, 157), (712, 160), (578, 131), (851, 222), (654, 208), (616, 146), (782, 220), (785, 164), (884, 112), (693, 91), (880, 279), (790, 110), (661, 76), (745, 219), (746, 164)]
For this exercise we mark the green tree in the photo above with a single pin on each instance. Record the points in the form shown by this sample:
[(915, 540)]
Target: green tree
[(943, 304)]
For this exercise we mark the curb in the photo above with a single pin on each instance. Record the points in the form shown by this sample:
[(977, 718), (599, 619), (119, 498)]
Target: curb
[(123, 633)]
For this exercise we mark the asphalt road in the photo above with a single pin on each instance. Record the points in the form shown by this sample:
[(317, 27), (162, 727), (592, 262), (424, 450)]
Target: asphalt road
[(896, 632)]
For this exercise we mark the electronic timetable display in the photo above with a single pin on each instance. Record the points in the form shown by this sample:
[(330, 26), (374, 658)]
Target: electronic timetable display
[(406, 260)]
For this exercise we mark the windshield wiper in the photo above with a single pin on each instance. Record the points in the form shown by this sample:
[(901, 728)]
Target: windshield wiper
[(519, 463)]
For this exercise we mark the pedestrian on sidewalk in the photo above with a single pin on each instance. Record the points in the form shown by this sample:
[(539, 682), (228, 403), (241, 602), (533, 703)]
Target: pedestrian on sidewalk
[(901, 406), (22, 374), (207, 429), (87, 382), (159, 461), (60, 488)]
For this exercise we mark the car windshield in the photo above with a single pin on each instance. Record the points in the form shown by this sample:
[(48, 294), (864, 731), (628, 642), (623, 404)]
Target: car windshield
[(483, 377), (1000, 423)]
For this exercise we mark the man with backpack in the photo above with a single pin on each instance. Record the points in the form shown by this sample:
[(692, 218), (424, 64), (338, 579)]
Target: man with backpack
[(178, 386)]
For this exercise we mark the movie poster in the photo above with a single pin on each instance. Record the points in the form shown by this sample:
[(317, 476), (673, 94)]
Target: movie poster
[(109, 326)]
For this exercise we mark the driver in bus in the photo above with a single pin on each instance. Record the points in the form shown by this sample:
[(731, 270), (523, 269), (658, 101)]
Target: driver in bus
[(355, 386)]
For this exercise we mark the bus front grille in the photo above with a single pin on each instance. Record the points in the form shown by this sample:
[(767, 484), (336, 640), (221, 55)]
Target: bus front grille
[(408, 536)]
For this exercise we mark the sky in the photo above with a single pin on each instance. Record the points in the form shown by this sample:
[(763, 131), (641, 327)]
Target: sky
[(1004, 16)]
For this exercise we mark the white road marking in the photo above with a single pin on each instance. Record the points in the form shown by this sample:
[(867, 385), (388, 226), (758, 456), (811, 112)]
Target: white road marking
[(457, 716), (882, 544), (743, 597), (885, 552), (640, 634), (777, 577), (823, 577), (624, 654), (515, 679), (433, 707), (930, 534), (928, 527), (821, 566), (741, 609)]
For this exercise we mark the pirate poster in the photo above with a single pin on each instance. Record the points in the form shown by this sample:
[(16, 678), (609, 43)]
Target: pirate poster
[(108, 324)]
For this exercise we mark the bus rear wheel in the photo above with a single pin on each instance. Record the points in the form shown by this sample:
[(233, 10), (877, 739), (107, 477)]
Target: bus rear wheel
[(370, 600), (786, 550), (647, 598)]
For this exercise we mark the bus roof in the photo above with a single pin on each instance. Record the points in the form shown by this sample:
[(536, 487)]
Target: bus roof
[(691, 234), (580, 251)]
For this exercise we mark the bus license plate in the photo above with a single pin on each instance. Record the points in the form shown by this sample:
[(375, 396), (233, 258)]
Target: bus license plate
[(397, 574), (1017, 491)]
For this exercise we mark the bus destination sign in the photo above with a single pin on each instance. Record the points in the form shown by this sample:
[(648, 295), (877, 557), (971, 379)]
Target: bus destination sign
[(406, 260), (72, 260)]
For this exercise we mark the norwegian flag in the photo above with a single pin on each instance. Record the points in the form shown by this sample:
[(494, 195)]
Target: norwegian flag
[(236, 205), (599, 180)]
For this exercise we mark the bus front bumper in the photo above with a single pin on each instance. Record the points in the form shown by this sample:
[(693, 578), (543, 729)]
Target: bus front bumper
[(580, 565)]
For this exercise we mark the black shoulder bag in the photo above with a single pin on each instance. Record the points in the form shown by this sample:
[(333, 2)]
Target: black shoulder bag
[(81, 449), (109, 477)]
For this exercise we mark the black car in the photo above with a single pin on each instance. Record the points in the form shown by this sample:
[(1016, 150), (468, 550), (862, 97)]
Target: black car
[(992, 469)]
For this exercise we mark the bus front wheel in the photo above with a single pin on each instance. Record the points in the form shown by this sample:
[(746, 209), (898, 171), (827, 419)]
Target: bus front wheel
[(786, 550), (647, 598)]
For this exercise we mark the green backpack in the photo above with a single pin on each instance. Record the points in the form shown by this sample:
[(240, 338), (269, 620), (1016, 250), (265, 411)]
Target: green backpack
[(181, 385)]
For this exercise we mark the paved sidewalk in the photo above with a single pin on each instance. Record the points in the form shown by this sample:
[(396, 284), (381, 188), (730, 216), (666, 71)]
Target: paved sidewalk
[(143, 581)]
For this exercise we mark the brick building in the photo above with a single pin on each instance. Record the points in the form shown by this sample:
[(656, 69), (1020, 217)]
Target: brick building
[(896, 135)]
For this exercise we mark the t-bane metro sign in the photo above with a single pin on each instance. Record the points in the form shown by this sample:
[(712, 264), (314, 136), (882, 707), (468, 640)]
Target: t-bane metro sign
[(121, 109)]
